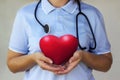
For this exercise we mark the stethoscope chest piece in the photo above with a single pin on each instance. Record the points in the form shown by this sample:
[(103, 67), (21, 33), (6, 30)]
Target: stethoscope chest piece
[(46, 28)]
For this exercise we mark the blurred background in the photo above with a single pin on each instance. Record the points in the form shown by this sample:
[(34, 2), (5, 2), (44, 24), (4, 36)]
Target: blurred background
[(110, 11)]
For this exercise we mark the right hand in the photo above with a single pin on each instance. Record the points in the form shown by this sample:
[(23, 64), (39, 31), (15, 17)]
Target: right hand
[(46, 63)]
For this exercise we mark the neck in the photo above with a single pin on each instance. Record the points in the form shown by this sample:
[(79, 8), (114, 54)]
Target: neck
[(58, 3)]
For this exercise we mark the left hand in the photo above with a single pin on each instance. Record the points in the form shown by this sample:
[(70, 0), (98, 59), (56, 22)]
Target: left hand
[(72, 63)]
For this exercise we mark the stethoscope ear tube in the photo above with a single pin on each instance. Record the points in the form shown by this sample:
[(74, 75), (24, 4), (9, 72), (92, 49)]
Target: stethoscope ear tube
[(91, 48), (90, 26), (77, 32), (45, 27)]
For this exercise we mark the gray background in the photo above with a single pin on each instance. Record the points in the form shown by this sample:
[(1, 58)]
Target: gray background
[(110, 10)]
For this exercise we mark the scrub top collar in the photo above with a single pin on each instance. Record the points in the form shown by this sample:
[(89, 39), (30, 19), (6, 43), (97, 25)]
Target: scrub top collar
[(70, 7)]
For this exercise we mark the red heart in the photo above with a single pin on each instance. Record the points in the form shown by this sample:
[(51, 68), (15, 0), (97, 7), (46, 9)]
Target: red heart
[(59, 49)]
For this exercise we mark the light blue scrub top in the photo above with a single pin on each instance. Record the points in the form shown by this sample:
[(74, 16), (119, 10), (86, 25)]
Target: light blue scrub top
[(27, 32)]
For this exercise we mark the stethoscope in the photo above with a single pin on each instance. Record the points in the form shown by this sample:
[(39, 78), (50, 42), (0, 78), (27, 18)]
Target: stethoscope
[(47, 28)]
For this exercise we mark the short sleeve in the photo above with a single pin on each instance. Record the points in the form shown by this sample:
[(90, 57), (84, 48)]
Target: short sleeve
[(102, 43), (18, 40)]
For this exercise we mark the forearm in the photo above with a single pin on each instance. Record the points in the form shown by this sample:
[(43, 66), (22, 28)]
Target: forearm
[(98, 62), (20, 62)]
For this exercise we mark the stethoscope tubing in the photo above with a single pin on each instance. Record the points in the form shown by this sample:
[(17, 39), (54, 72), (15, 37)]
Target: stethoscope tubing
[(46, 27)]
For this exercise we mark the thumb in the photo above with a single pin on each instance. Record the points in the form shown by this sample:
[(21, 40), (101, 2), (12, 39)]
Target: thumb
[(72, 59), (46, 59)]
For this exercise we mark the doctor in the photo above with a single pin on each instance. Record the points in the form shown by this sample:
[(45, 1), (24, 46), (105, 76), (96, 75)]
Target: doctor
[(24, 53)]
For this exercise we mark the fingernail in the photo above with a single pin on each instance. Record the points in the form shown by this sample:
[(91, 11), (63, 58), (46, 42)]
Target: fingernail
[(51, 62)]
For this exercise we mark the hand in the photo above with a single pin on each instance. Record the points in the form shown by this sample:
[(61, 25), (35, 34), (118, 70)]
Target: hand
[(46, 63), (72, 63)]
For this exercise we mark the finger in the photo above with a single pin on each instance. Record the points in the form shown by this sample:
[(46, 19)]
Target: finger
[(73, 62), (69, 67), (77, 55), (64, 71), (49, 67), (73, 58), (46, 59)]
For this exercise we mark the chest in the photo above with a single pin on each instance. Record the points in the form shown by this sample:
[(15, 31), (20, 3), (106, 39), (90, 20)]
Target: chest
[(59, 24)]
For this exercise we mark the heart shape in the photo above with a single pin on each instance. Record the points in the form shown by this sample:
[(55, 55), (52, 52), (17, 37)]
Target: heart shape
[(59, 49)]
